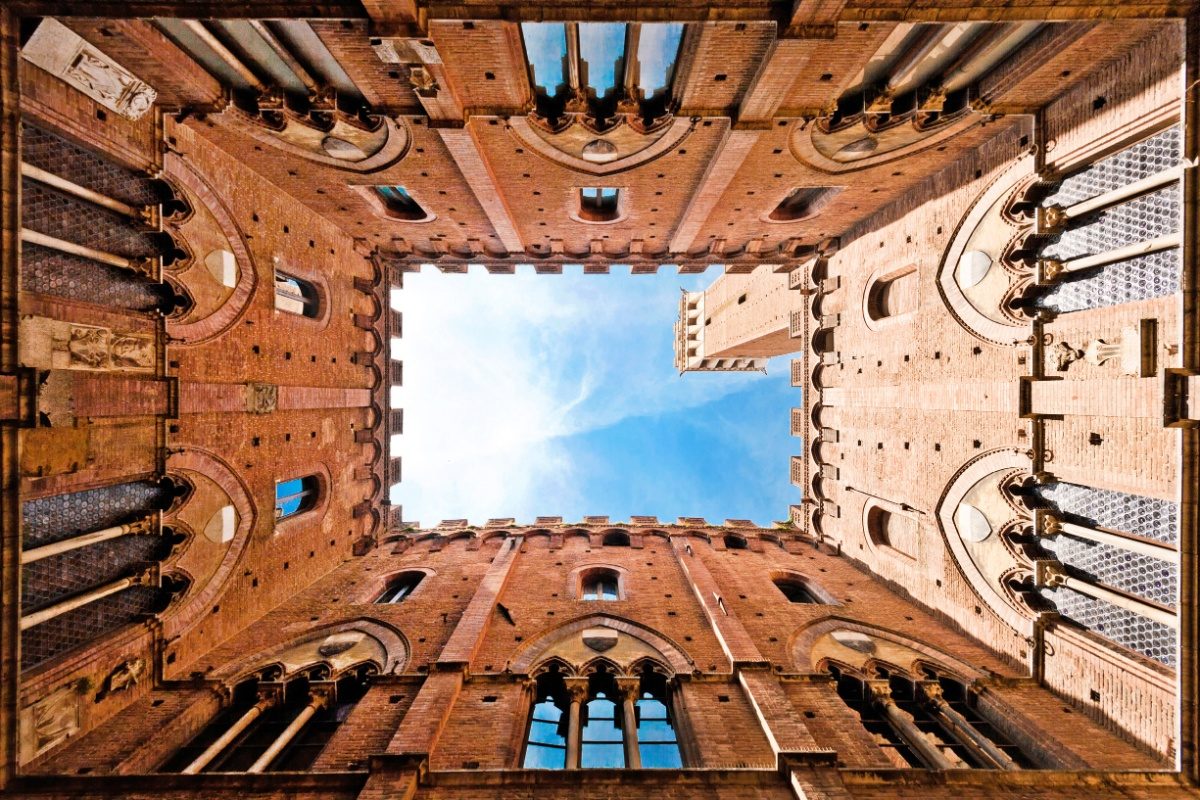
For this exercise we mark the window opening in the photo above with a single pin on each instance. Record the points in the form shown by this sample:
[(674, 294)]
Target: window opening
[(797, 592), (803, 202), (399, 203), (400, 587), (658, 742), (546, 742), (600, 585), (295, 496), (599, 203), (601, 741), (296, 296)]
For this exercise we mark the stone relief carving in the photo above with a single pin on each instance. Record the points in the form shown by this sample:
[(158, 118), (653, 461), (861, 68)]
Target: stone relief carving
[(49, 722), (61, 52), (102, 349), (124, 676), (261, 398)]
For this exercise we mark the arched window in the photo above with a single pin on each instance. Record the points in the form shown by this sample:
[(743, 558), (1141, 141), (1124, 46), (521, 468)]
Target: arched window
[(296, 496), (600, 584), (658, 743), (891, 530), (546, 741), (276, 729), (599, 203), (893, 295), (400, 587), (296, 296), (616, 539), (803, 203), (601, 741), (399, 204), (797, 591), (735, 542), (921, 723)]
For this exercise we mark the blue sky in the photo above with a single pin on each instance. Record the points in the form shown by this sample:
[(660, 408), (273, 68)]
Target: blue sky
[(530, 395)]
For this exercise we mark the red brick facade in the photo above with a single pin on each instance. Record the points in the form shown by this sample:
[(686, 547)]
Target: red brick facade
[(196, 326)]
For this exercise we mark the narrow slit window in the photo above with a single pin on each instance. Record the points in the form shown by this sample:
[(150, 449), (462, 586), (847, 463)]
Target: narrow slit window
[(296, 496), (399, 204), (599, 203), (296, 296), (602, 56)]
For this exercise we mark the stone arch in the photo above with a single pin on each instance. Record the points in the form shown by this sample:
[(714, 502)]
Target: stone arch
[(644, 641), (634, 149), (186, 615), (808, 648), (382, 645), (975, 568), (813, 145), (974, 287), (236, 304)]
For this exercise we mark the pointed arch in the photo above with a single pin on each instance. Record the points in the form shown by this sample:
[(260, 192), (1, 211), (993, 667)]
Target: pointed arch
[(532, 651), (382, 645), (805, 638)]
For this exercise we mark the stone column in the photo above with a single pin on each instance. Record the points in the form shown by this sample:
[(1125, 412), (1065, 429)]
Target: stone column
[(268, 695), (80, 600), (146, 525), (320, 695), (903, 722), (958, 726), (629, 689), (577, 688)]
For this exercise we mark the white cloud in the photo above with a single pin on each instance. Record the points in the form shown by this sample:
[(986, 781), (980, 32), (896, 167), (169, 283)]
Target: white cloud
[(498, 370)]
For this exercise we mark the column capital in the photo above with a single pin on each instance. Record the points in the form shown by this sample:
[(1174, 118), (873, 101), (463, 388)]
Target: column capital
[(629, 687), (880, 690), (931, 690), (322, 694), (577, 689), (270, 693)]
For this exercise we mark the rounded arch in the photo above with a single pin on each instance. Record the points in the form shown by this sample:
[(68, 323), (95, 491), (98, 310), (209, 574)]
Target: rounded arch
[(371, 589), (580, 575), (317, 511), (534, 650)]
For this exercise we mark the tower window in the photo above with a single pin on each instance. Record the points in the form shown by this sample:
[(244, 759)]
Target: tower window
[(796, 591), (399, 204), (296, 296), (296, 496), (400, 588), (599, 203), (893, 295), (601, 740), (735, 542), (600, 584), (803, 203)]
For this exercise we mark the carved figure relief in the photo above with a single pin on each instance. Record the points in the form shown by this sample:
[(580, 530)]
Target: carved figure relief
[(124, 676), (61, 52)]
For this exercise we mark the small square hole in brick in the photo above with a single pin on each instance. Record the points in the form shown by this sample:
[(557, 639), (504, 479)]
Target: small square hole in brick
[(722, 698), (491, 698)]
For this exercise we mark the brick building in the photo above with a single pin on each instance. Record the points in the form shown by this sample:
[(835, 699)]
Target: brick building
[(973, 223)]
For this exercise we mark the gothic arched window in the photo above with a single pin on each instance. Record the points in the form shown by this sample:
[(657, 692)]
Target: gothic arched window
[(658, 741), (546, 740), (399, 204), (275, 728)]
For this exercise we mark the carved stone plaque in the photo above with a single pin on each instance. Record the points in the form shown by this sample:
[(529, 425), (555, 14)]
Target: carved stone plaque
[(60, 51)]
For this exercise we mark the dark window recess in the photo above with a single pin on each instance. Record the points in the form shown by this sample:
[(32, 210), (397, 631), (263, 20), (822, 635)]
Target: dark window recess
[(599, 203), (804, 202), (400, 587), (399, 204)]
